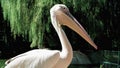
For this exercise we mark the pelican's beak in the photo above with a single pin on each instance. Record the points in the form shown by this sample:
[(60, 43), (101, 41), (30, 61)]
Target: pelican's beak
[(68, 20)]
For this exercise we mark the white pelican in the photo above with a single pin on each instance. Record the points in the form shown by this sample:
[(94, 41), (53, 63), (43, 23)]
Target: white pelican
[(43, 58)]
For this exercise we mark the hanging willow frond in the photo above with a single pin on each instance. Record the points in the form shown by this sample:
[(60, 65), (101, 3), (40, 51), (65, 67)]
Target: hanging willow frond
[(26, 18), (31, 18)]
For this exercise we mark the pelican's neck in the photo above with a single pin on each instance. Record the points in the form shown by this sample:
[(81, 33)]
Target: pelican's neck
[(66, 52)]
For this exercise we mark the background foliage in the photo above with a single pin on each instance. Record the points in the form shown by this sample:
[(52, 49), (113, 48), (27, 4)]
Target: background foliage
[(31, 20)]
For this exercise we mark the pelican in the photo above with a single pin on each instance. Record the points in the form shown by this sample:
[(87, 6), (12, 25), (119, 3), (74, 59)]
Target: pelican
[(44, 58)]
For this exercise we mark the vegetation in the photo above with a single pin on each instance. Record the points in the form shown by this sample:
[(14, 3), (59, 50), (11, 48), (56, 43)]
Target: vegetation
[(2, 63), (31, 20)]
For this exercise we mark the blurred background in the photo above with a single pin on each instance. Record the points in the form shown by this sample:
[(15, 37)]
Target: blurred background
[(26, 25)]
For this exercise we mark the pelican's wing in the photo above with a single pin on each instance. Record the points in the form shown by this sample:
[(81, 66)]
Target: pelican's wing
[(11, 59), (18, 56), (31, 59)]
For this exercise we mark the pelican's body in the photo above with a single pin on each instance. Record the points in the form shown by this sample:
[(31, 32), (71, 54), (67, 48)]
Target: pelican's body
[(43, 58)]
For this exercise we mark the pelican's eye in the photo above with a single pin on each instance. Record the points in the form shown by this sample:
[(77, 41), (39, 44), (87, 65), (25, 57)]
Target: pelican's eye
[(64, 8)]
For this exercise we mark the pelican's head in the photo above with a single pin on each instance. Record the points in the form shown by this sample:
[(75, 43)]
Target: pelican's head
[(60, 15)]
